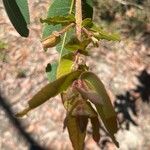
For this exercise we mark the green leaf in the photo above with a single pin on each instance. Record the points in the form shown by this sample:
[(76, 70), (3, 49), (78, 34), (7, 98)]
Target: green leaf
[(105, 108), (23, 6), (60, 8), (99, 33), (16, 16), (51, 71), (64, 67), (63, 20), (57, 8), (74, 44), (96, 129), (107, 36), (87, 8), (76, 135), (87, 23), (69, 56), (50, 90)]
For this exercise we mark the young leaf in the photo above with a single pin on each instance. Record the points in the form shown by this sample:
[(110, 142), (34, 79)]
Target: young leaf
[(17, 15), (106, 110), (74, 44), (87, 23), (63, 20), (99, 33), (106, 36), (96, 129), (77, 137), (51, 90), (51, 71)]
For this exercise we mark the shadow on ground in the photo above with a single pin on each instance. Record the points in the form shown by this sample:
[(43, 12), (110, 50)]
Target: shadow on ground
[(33, 145), (127, 104)]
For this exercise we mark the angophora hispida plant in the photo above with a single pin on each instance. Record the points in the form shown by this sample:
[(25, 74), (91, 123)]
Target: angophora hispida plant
[(70, 28)]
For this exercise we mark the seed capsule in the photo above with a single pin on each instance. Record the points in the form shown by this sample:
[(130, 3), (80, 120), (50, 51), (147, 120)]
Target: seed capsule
[(51, 41)]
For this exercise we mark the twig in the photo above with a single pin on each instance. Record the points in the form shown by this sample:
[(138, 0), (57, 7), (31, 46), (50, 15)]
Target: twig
[(78, 16)]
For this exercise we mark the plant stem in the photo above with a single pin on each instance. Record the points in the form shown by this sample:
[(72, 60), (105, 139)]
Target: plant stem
[(78, 16), (79, 58)]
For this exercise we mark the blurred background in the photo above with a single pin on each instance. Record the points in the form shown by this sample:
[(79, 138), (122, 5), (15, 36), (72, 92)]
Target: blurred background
[(124, 68)]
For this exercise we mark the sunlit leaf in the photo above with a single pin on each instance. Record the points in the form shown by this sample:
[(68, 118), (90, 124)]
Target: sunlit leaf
[(105, 110), (51, 90), (64, 67), (76, 135), (99, 33), (63, 20), (16, 14)]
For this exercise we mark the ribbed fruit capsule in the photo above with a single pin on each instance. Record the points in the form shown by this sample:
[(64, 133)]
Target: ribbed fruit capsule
[(51, 41)]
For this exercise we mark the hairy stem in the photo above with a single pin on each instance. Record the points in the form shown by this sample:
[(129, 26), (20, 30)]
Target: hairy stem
[(78, 16)]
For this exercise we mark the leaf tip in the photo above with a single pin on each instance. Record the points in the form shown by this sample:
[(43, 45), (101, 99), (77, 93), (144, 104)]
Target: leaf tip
[(25, 33), (22, 113)]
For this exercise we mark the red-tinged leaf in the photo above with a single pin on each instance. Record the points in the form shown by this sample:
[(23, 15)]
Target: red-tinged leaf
[(77, 137), (91, 95), (96, 129), (106, 110), (82, 122), (76, 105), (51, 90)]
